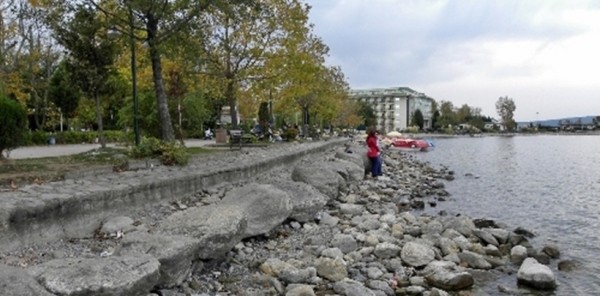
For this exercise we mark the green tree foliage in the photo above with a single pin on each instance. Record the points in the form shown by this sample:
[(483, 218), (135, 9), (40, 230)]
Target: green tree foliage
[(367, 113), (447, 115), (506, 107), (417, 119), (63, 92), (13, 124), (91, 54)]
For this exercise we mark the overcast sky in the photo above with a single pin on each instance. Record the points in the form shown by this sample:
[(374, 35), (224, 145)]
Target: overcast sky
[(544, 54)]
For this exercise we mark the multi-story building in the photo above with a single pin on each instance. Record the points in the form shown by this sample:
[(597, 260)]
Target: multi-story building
[(395, 107)]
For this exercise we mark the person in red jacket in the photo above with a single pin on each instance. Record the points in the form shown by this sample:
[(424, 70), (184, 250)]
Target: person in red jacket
[(374, 153)]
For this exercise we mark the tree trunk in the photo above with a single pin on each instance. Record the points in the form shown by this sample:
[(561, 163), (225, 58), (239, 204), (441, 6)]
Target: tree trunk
[(166, 127), (230, 95), (99, 121)]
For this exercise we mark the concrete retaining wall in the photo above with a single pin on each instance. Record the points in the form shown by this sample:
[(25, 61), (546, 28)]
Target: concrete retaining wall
[(75, 208)]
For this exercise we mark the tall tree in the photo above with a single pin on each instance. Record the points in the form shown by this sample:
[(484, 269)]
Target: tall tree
[(91, 54), (154, 22), (506, 107), (237, 38), (447, 114), (417, 119), (63, 91)]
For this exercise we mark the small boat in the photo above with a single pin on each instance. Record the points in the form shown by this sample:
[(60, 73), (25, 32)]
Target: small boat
[(407, 144)]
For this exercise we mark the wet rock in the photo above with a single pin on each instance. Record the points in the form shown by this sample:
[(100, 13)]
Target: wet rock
[(552, 251), (536, 275), (568, 265)]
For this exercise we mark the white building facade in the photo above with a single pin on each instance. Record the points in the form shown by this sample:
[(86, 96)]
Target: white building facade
[(395, 107)]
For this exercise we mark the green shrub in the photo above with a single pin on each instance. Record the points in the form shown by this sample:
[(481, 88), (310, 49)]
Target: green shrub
[(290, 134), (169, 153), (13, 124), (173, 153)]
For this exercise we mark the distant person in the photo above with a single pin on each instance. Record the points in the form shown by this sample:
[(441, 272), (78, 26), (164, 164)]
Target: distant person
[(374, 153), (208, 134)]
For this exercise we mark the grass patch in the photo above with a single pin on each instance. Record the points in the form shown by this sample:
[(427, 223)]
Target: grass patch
[(18, 172)]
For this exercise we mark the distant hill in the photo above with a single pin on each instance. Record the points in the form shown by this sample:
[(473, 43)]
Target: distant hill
[(555, 122)]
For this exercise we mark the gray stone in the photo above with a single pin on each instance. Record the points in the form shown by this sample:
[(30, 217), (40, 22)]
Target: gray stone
[(474, 260), (500, 234), (332, 269), (351, 209), (462, 224), (17, 282), (121, 276), (381, 286), (345, 242), (323, 179), (536, 275), (263, 205), (300, 290), (351, 172), (295, 275), (350, 287), (417, 254), (306, 200), (386, 250), (443, 275), (174, 252), (217, 227), (121, 223), (518, 254), (486, 237)]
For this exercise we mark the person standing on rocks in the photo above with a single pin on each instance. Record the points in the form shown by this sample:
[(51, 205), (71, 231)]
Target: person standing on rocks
[(374, 153)]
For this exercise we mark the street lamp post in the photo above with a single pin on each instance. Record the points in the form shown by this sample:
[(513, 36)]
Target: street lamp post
[(136, 127)]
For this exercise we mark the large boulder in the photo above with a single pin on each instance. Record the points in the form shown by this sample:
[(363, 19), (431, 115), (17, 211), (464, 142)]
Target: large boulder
[(351, 172), (306, 200), (217, 227), (443, 275), (357, 155), (416, 254), (118, 276), (536, 275), (264, 206), (16, 282), (174, 252), (327, 181)]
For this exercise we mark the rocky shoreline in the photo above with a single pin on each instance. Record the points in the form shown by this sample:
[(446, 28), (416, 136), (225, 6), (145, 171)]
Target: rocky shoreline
[(315, 228)]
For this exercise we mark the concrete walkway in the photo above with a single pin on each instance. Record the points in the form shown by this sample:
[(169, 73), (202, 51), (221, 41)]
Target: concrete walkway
[(61, 150)]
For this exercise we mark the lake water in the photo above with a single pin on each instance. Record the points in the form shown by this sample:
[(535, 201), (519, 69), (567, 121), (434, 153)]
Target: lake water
[(547, 184)]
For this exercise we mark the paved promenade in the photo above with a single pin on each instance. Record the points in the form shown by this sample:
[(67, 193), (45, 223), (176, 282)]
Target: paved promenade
[(61, 150)]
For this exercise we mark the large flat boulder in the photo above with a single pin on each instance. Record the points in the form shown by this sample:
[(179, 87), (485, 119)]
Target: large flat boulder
[(351, 172), (217, 227), (114, 276), (174, 252), (17, 282), (306, 200), (327, 181), (264, 206)]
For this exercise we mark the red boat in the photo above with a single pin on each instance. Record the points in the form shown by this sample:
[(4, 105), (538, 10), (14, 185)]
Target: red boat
[(411, 144)]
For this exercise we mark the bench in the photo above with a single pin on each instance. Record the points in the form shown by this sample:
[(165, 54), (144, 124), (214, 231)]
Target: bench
[(235, 138)]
